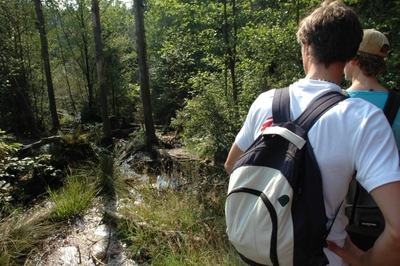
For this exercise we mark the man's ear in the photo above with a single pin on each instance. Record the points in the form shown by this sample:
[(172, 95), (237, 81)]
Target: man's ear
[(306, 46)]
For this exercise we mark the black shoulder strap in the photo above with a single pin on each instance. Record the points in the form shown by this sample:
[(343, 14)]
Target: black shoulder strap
[(392, 106), (281, 113), (281, 107), (318, 108)]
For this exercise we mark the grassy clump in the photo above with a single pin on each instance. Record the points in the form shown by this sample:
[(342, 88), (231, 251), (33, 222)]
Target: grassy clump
[(73, 198), (20, 233), (178, 226)]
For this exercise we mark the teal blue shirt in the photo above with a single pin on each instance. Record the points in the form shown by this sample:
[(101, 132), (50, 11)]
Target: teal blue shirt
[(379, 98)]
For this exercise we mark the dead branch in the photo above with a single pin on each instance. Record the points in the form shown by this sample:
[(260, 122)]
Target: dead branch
[(26, 150)]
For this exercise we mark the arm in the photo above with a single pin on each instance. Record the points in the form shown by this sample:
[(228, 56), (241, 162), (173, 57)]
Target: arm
[(233, 155), (386, 250)]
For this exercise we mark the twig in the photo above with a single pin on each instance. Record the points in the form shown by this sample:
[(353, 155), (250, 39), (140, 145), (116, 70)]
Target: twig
[(109, 242), (80, 255), (96, 259), (201, 221)]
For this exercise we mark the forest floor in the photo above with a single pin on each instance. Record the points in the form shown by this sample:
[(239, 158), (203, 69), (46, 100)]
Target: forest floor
[(87, 240), (90, 239)]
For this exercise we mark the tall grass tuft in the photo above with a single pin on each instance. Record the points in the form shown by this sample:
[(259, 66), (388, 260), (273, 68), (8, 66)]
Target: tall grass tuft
[(178, 226), (110, 173), (20, 233), (107, 169), (73, 198)]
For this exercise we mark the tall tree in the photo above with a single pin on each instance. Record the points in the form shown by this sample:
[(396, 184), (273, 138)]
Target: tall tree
[(100, 73), (86, 67), (16, 112), (230, 47), (151, 138), (46, 61), (74, 22), (23, 103)]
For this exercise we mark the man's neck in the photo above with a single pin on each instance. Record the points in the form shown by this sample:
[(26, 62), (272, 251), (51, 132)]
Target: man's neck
[(332, 73)]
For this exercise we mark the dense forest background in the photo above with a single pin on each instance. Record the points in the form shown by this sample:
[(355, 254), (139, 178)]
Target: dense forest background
[(207, 60)]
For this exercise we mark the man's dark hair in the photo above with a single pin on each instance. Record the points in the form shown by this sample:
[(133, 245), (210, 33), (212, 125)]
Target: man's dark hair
[(333, 32)]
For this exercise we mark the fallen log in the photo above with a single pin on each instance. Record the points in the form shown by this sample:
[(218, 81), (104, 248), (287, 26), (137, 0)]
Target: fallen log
[(27, 150)]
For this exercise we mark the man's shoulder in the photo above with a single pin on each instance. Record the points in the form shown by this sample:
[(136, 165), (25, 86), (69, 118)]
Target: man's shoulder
[(264, 96)]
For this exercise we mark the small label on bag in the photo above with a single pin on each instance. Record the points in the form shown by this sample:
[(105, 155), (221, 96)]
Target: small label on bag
[(369, 224)]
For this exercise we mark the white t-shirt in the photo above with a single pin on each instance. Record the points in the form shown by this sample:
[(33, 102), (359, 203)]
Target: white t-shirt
[(354, 135)]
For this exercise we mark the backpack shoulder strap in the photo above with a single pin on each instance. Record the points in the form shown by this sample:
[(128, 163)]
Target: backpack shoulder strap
[(281, 113), (392, 106), (317, 108), (281, 107)]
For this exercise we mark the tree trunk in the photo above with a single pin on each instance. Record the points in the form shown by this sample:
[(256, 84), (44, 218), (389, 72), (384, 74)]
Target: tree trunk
[(29, 119), (151, 138), (231, 47), (46, 61), (64, 61), (100, 73), (87, 65)]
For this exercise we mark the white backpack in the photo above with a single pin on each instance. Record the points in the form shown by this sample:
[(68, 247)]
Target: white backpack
[(275, 212)]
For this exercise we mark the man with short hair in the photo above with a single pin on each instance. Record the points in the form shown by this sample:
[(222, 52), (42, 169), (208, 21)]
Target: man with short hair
[(363, 72), (353, 135)]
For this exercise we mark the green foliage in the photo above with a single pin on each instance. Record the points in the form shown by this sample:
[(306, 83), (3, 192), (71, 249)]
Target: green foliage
[(173, 51), (107, 172), (208, 124), (14, 172), (92, 128), (19, 62), (383, 16), (41, 165), (72, 59), (7, 146), (138, 139), (266, 55), (120, 58), (73, 198), (110, 172)]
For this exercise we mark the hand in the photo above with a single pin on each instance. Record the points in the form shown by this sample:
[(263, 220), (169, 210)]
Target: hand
[(350, 252)]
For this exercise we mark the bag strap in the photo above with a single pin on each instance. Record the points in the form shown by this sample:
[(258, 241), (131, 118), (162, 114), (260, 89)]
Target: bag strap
[(281, 113), (390, 110), (355, 200), (392, 106), (317, 108), (281, 107)]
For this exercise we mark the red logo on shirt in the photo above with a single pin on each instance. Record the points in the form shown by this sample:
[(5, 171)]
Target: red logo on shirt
[(268, 123)]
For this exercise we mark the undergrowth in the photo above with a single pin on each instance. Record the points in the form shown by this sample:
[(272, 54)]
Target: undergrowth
[(181, 224), (21, 233), (184, 225)]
